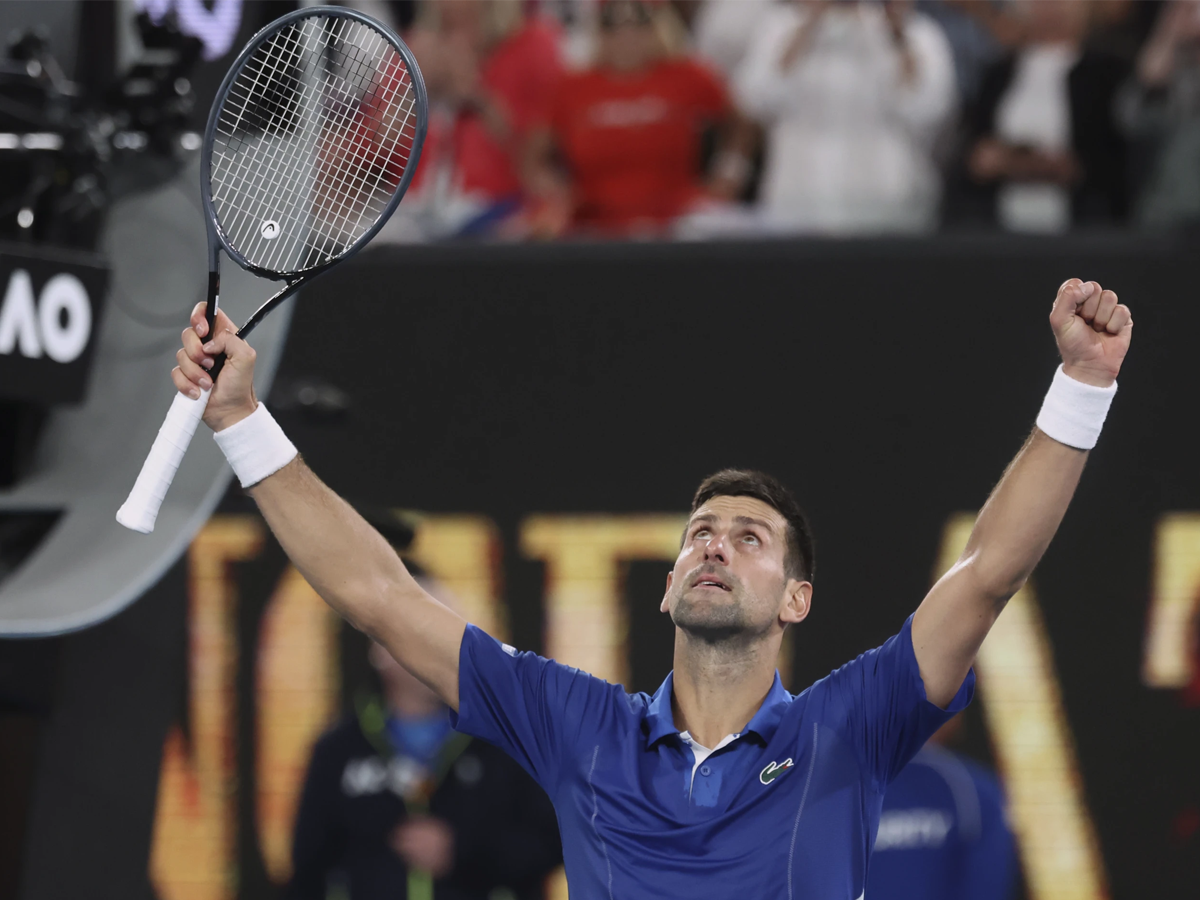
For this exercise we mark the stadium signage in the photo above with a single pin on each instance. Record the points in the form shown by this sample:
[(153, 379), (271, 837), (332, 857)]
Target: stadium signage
[(49, 310)]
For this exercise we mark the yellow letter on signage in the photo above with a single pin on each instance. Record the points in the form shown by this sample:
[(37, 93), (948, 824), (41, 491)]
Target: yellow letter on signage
[(191, 856), (297, 696), (586, 624), (1175, 607)]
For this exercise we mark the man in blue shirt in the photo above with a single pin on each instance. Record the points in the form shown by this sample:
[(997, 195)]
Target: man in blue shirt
[(722, 784), (943, 834)]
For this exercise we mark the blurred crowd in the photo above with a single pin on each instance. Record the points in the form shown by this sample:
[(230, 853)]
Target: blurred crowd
[(700, 118)]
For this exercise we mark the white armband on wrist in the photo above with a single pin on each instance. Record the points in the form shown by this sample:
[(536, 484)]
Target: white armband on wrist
[(255, 447), (1073, 412)]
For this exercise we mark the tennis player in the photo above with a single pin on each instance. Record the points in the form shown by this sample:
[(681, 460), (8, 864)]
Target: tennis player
[(722, 784)]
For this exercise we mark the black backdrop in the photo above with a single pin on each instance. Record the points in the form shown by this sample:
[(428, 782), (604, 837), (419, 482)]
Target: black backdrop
[(888, 383)]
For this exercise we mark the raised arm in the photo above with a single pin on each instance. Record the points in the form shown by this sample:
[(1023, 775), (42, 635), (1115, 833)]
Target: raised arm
[(1021, 516), (342, 557)]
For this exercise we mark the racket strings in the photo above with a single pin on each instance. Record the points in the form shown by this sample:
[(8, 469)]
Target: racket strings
[(338, 193), (311, 143), (332, 205)]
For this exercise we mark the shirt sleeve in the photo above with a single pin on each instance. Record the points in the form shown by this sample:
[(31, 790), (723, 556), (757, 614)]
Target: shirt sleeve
[(878, 704), (534, 709)]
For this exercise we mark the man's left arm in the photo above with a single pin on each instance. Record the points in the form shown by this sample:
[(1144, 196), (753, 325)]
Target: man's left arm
[(1016, 524)]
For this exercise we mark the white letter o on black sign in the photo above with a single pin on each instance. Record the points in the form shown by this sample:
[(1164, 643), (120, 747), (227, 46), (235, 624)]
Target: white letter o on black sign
[(64, 342)]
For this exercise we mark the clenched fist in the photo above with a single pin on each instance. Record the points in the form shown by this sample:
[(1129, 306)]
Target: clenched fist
[(233, 397), (1093, 331)]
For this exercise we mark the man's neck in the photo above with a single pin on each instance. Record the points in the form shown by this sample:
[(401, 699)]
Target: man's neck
[(718, 687)]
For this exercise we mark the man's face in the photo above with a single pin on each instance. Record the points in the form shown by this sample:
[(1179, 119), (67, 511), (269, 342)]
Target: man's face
[(730, 578)]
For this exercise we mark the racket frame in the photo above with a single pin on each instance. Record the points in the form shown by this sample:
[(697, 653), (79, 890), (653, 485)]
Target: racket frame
[(141, 507), (217, 239)]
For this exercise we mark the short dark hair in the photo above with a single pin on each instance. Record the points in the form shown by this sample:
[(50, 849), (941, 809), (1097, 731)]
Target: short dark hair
[(801, 552)]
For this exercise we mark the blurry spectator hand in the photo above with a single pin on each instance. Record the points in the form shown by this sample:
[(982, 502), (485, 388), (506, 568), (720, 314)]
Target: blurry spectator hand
[(462, 68), (1053, 166), (425, 844), (897, 11), (897, 14), (994, 160), (729, 175), (799, 44), (429, 48), (989, 160), (1177, 25), (549, 216)]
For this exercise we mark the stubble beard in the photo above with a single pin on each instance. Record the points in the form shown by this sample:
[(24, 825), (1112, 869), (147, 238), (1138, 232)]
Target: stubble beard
[(725, 623)]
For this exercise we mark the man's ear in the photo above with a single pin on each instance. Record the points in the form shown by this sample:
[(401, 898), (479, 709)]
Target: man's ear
[(797, 601), (665, 606)]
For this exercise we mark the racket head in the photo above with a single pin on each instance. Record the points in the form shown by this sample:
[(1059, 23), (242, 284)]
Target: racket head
[(311, 143)]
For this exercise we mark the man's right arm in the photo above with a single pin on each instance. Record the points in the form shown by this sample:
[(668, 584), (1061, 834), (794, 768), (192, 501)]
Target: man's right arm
[(360, 576), (345, 560)]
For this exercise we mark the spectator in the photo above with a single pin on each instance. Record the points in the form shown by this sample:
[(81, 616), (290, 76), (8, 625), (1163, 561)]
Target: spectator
[(1160, 109), (852, 96), (491, 71), (621, 150), (978, 32), (942, 834), (1044, 146), (398, 805)]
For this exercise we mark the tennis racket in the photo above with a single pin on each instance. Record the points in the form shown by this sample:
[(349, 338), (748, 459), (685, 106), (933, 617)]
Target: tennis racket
[(312, 140)]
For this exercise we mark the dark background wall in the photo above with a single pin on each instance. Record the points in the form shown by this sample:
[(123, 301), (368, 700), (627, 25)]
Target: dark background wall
[(889, 383)]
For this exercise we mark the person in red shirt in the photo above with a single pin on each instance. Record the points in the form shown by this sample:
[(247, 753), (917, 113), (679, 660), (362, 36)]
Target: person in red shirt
[(492, 71), (620, 151)]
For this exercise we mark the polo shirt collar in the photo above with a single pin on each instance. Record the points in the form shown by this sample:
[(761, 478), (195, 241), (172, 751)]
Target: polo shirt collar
[(661, 721), (659, 717)]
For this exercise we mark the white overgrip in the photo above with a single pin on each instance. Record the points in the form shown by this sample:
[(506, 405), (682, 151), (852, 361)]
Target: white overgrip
[(140, 509)]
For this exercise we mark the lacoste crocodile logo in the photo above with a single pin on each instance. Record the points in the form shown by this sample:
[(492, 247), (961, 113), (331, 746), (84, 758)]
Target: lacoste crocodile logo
[(774, 770)]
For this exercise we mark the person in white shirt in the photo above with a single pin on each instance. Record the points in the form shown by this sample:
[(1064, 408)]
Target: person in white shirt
[(1044, 139), (852, 96), (722, 30)]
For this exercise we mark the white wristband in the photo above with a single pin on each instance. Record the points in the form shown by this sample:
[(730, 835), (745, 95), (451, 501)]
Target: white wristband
[(255, 447), (1073, 412)]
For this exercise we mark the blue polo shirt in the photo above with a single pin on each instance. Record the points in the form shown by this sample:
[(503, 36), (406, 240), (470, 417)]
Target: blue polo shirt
[(788, 809)]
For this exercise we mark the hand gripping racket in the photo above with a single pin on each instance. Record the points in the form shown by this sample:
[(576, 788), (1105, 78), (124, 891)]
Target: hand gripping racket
[(312, 141)]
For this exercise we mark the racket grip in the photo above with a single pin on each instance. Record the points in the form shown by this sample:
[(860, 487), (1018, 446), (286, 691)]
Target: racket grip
[(140, 509)]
